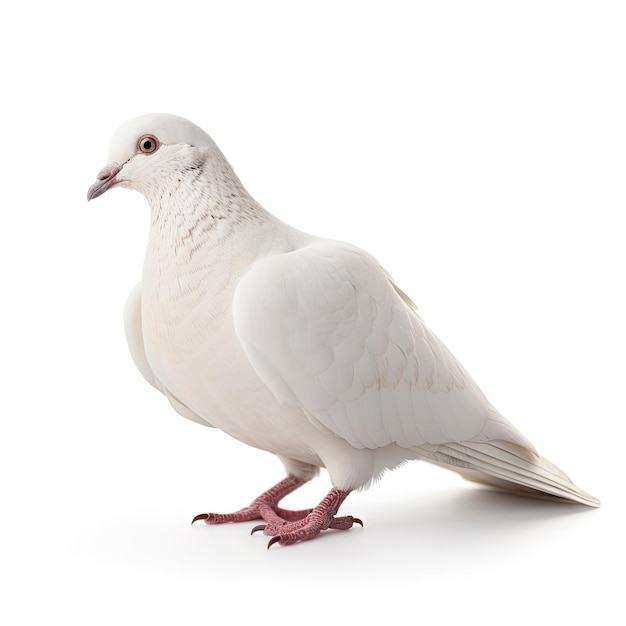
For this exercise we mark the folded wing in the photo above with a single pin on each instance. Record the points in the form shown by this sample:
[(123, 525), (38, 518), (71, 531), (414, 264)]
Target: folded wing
[(327, 330)]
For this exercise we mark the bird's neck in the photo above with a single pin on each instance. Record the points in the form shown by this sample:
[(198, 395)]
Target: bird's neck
[(205, 233), (198, 207)]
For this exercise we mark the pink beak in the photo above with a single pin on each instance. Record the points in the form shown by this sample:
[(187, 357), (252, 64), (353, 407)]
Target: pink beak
[(106, 180)]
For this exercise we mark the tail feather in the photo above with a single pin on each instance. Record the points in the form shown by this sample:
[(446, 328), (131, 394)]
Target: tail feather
[(507, 466)]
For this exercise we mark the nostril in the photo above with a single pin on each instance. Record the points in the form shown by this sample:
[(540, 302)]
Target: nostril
[(108, 171)]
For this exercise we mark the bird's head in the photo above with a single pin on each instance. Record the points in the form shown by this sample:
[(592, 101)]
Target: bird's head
[(147, 151)]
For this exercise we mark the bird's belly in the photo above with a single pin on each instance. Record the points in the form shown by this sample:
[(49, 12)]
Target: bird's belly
[(209, 373)]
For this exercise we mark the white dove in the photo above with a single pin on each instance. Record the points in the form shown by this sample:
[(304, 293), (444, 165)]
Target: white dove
[(294, 344)]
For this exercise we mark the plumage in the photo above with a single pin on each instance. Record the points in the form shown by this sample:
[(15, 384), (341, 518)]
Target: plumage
[(294, 344)]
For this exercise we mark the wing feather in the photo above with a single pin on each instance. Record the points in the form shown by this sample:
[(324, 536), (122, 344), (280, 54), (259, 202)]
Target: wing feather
[(326, 329)]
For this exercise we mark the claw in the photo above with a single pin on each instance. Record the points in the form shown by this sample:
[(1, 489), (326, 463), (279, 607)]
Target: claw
[(283, 526)]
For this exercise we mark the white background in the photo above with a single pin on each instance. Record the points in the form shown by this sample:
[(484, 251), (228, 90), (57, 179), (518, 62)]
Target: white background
[(478, 149)]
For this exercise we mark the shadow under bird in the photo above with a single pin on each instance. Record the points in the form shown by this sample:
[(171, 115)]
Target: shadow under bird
[(294, 344)]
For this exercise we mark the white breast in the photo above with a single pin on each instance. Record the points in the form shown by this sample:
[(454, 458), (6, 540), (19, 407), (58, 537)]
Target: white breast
[(192, 349)]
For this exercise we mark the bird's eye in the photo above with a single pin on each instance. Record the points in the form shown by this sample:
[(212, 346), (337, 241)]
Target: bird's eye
[(147, 144)]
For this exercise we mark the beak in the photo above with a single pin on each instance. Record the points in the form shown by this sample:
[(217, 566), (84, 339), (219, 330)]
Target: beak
[(106, 180)]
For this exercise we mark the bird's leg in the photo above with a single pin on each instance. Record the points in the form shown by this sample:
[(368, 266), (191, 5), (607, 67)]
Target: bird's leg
[(320, 518), (264, 507)]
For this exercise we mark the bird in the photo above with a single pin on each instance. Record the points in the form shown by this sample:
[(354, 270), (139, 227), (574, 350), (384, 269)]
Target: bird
[(298, 345)]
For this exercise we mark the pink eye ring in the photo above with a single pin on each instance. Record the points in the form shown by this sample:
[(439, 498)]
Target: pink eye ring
[(147, 144)]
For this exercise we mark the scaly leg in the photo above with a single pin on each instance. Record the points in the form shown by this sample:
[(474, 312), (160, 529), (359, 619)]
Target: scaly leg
[(320, 518), (264, 507)]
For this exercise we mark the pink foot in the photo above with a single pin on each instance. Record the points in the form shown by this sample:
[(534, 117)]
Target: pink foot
[(320, 518), (265, 507)]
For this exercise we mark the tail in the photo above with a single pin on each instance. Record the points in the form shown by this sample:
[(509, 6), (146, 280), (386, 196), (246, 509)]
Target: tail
[(509, 467)]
